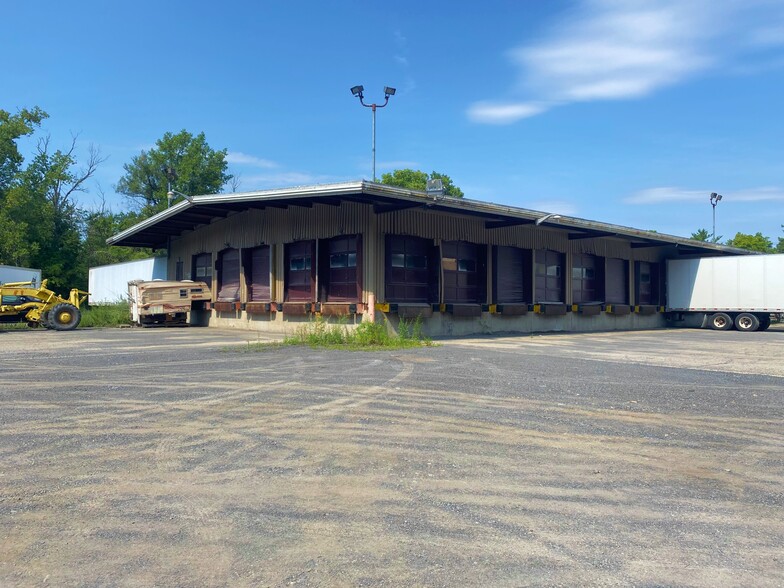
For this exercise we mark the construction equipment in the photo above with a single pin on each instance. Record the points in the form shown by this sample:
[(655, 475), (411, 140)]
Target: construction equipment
[(165, 302), (24, 301)]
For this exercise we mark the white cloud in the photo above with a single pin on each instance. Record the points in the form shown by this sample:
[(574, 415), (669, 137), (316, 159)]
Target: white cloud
[(501, 114), (623, 49), (238, 158), (666, 195)]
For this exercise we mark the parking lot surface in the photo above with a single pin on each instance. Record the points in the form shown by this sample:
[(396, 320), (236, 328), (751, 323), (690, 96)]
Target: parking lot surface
[(172, 457)]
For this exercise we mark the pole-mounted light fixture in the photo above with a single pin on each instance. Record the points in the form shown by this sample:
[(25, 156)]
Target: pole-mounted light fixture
[(172, 193), (358, 92), (714, 200), (540, 220)]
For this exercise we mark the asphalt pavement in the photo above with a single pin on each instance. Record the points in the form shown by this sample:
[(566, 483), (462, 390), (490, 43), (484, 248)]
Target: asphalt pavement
[(176, 457)]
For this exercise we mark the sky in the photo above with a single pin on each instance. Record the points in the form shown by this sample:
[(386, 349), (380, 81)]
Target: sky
[(623, 111)]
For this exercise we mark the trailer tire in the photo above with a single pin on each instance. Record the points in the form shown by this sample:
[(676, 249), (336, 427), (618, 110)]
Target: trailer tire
[(720, 321), (746, 321), (764, 321), (64, 317)]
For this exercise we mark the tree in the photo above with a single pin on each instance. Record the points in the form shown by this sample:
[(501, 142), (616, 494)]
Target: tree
[(705, 236), (12, 127), (101, 223), (756, 242), (780, 244), (188, 162), (41, 199), (417, 180)]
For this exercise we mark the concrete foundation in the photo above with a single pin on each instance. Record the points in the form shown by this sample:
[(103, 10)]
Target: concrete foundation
[(440, 324)]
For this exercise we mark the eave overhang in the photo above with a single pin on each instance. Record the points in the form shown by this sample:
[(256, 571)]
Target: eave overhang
[(189, 214)]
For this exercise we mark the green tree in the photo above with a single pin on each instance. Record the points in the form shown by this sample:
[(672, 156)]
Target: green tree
[(188, 162), (99, 225), (780, 244), (40, 221), (705, 236), (42, 199), (12, 127), (417, 180), (756, 242)]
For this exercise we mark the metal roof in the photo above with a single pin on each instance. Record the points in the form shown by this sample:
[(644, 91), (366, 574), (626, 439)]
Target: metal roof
[(201, 210)]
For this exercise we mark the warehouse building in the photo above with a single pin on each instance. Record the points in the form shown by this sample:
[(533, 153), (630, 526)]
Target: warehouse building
[(362, 250)]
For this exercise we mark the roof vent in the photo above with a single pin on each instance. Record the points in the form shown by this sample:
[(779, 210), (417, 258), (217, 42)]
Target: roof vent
[(435, 188)]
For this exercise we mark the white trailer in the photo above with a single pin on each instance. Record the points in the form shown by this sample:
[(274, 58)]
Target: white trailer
[(726, 292), (10, 274), (108, 284)]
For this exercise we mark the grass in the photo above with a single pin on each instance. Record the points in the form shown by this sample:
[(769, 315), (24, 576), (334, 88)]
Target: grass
[(108, 315), (366, 336)]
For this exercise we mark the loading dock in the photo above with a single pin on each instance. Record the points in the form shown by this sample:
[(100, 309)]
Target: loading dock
[(345, 249)]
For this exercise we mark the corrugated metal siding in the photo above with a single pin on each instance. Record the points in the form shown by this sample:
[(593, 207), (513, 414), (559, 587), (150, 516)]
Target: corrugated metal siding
[(277, 226), (434, 225)]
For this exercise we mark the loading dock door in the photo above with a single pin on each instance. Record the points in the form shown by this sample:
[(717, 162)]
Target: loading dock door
[(512, 275), (300, 278), (411, 269), (229, 275), (258, 274), (340, 275), (464, 269)]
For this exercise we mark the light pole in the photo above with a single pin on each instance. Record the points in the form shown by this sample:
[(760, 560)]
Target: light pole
[(357, 91), (714, 200)]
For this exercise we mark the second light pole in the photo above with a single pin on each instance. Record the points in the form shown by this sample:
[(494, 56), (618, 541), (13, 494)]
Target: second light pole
[(357, 91), (714, 200)]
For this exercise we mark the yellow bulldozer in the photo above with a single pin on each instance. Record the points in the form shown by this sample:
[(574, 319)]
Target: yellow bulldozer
[(39, 306)]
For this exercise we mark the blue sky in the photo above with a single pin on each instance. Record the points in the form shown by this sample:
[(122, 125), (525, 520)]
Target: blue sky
[(622, 111)]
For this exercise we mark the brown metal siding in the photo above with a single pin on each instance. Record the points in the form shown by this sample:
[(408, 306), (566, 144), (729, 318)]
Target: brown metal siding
[(277, 226)]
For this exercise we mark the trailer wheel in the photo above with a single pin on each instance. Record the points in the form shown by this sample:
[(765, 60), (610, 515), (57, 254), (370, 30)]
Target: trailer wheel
[(764, 321), (746, 321), (64, 317), (720, 322)]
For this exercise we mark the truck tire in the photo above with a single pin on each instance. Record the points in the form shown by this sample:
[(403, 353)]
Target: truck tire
[(720, 321), (746, 321), (764, 321), (64, 317)]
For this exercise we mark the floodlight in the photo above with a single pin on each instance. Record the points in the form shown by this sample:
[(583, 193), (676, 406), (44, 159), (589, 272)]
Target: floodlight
[(357, 90), (389, 91)]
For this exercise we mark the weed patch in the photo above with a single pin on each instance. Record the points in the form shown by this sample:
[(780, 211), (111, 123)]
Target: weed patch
[(108, 315), (366, 336)]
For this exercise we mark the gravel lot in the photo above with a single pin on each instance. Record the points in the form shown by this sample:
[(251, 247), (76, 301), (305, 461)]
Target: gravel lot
[(170, 457)]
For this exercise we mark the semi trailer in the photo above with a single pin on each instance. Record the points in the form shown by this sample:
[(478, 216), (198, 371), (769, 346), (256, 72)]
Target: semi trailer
[(722, 293)]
